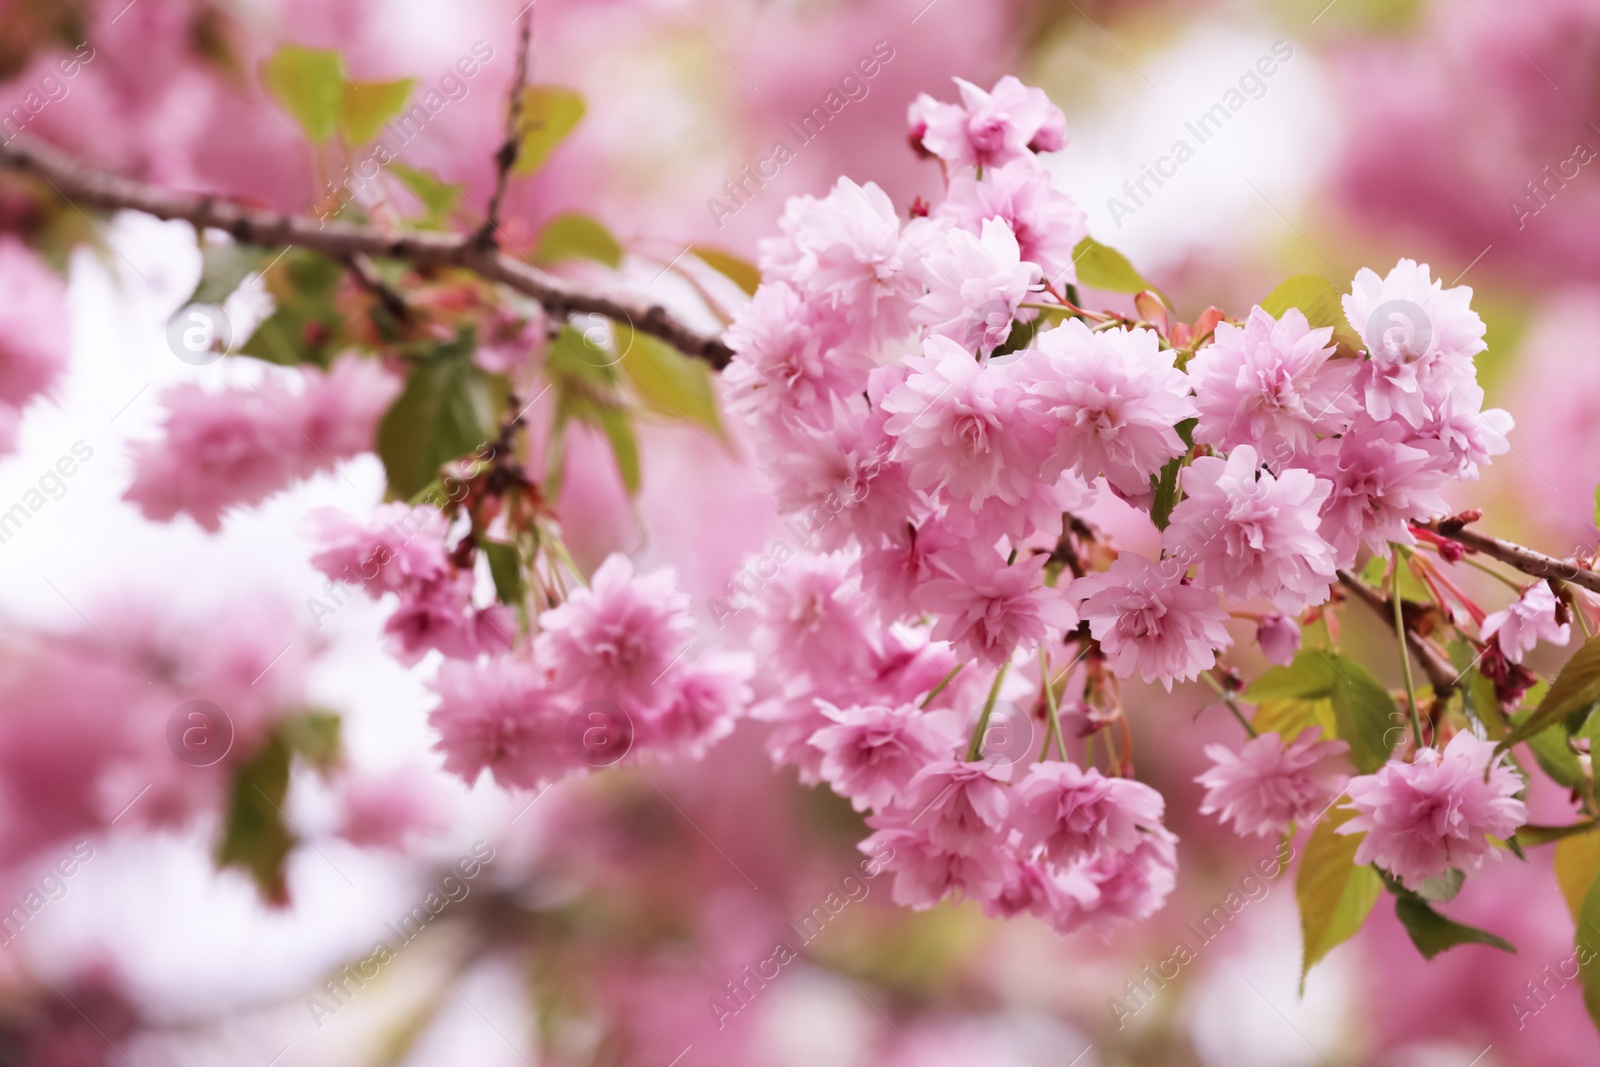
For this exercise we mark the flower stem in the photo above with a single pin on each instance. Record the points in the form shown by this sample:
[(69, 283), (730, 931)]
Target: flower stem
[(936, 690), (1405, 653), (1054, 710), (1228, 700), (975, 747)]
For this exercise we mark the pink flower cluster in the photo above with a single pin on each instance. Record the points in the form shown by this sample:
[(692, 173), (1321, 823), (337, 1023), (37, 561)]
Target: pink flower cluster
[(34, 334), (607, 678), (239, 446)]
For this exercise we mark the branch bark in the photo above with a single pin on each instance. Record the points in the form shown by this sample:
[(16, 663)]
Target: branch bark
[(1526, 560), (506, 157), (87, 186)]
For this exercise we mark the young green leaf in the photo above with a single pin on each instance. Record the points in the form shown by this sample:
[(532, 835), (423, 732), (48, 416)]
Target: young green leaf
[(309, 84), (575, 236), (743, 273), (549, 113), (1433, 933), (667, 382), (366, 106), (449, 408), (506, 570), (316, 737), (1102, 267), (1588, 935), (254, 834), (1577, 687), (223, 268), (1577, 862), (1335, 896), (1364, 711), (1309, 677), (437, 196), (1318, 300)]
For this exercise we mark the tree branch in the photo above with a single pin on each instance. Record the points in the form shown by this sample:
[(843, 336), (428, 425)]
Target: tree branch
[(506, 157), (1526, 560), (88, 186), (1440, 674)]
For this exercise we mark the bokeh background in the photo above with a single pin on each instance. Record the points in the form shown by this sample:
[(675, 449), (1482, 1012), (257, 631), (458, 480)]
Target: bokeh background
[(1458, 132)]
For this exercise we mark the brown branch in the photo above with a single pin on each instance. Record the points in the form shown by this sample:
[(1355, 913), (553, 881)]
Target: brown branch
[(1441, 675), (365, 272), (87, 186), (506, 157), (1526, 560)]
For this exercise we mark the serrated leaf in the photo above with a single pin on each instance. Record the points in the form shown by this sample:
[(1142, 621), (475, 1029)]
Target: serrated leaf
[(1577, 863), (506, 569), (366, 106), (1364, 712), (1317, 300), (1334, 895), (666, 381), (449, 408), (255, 836), (1102, 267), (437, 196), (549, 113), (743, 273), (576, 236), (1574, 689), (309, 84), (1433, 933), (223, 268)]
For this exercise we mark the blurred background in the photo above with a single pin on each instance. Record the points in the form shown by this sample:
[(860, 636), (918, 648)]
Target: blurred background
[(604, 920)]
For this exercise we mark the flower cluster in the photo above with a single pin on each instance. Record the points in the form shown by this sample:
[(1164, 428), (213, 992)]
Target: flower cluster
[(928, 391)]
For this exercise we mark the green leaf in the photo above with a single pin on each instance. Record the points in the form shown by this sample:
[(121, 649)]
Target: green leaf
[(584, 375), (575, 236), (223, 268), (437, 196), (1166, 483), (255, 836), (1529, 835), (1308, 677), (1588, 960), (1433, 933), (1104, 268), (316, 737), (618, 428), (1289, 718), (1477, 692), (1577, 687), (449, 408), (309, 84), (1442, 888), (668, 382), (744, 273), (1335, 896), (1318, 300), (304, 285), (506, 569), (549, 113), (1577, 862), (1365, 713), (366, 106)]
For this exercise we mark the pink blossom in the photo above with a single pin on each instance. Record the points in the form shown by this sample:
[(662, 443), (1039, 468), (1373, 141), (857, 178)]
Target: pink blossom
[(1250, 533), (439, 616), (1465, 432), (1266, 786), (1271, 384), (705, 699), (975, 285), (1424, 817), (988, 610), (502, 717), (339, 411), (389, 810), (892, 576), (786, 365), (1278, 637), (1149, 620), (616, 638), (813, 621), (220, 450), (1132, 884), (1047, 222), (961, 805), (35, 333), (1075, 813), (925, 872), (1380, 483), (989, 128), (959, 426), (872, 751), (1420, 339), (1115, 399), (1522, 625), (401, 547), (1057, 896)]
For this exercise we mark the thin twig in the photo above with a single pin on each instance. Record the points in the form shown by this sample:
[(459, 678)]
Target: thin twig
[(1440, 674), (506, 157), (84, 185), (365, 272), (1526, 560)]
